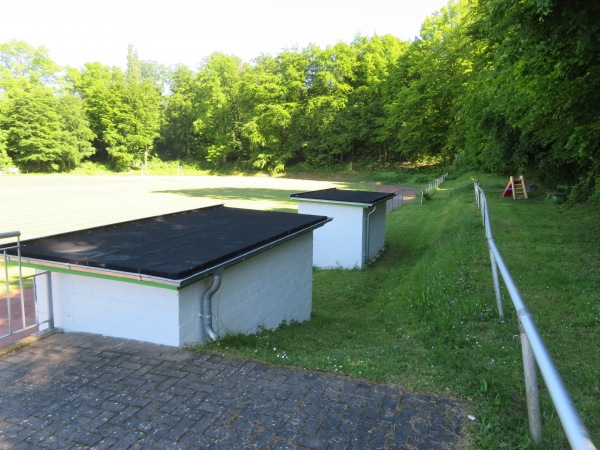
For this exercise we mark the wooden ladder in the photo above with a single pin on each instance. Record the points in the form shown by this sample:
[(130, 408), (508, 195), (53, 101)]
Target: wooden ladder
[(519, 190)]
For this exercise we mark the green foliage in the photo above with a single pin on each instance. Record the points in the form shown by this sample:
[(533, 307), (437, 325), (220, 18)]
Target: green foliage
[(216, 99), (124, 109), (44, 132), (499, 86), (538, 79), (19, 60), (42, 128), (313, 106), (5, 160), (91, 168), (427, 86), (177, 136)]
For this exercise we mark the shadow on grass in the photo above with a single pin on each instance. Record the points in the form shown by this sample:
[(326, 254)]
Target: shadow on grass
[(235, 194)]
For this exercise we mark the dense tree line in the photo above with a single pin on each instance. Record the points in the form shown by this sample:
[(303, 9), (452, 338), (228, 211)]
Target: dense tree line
[(493, 84)]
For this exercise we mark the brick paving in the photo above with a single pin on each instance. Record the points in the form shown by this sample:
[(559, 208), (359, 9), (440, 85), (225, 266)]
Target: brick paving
[(77, 390)]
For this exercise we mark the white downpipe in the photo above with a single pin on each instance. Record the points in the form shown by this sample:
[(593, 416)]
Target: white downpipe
[(368, 232), (206, 306)]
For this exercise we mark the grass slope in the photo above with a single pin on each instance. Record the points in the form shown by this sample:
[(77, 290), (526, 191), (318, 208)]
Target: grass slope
[(424, 314)]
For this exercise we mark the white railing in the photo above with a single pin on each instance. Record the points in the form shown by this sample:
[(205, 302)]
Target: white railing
[(401, 196), (534, 350), (432, 186), (20, 320), (9, 313)]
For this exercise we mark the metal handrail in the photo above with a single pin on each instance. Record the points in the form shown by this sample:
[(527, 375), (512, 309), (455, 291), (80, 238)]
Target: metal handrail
[(432, 186), (24, 322), (17, 245), (533, 347)]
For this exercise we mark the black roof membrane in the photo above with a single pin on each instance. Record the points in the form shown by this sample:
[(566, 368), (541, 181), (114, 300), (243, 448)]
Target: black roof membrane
[(172, 246)]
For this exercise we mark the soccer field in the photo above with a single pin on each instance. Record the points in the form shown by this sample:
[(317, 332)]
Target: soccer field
[(49, 204)]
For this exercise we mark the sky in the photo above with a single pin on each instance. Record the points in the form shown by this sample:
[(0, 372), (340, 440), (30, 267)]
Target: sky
[(187, 31)]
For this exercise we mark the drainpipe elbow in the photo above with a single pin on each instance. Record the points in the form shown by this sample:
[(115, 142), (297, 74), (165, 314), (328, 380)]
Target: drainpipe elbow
[(206, 307)]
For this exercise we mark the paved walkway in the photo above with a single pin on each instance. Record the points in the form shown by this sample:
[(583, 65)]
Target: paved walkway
[(76, 390)]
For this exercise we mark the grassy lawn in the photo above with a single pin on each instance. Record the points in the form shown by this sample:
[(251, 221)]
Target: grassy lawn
[(424, 314)]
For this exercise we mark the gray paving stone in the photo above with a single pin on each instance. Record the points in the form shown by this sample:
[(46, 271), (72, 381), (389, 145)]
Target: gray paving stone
[(76, 391)]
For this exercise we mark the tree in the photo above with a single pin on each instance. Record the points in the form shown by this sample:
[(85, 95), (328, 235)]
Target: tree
[(77, 136), (101, 89), (361, 119), (19, 60), (427, 87), (124, 109), (44, 132), (178, 138), (328, 78), (143, 106), (42, 128), (5, 160), (271, 102), (217, 105)]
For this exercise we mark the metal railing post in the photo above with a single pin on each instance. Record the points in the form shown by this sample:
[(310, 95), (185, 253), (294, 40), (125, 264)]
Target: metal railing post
[(50, 301), (6, 235), (21, 291), (531, 388), (7, 284)]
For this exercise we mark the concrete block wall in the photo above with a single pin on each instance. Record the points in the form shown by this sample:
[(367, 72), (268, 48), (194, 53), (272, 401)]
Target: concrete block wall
[(266, 290)]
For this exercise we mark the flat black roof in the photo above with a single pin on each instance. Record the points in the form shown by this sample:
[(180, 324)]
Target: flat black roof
[(344, 196), (172, 246)]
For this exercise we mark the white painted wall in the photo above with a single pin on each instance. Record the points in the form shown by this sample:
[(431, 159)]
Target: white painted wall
[(342, 242), (338, 243), (262, 291), (114, 308), (376, 229)]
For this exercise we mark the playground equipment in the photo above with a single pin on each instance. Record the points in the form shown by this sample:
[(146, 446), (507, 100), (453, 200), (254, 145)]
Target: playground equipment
[(516, 188)]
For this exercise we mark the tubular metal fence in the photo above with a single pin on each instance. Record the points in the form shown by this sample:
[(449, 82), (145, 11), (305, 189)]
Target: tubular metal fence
[(401, 196), (534, 350), (432, 186), (20, 313)]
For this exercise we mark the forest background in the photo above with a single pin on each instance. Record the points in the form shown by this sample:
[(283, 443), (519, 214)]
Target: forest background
[(506, 87)]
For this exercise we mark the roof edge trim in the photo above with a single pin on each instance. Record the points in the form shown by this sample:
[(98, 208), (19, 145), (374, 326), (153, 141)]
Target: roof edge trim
[(149, 280)]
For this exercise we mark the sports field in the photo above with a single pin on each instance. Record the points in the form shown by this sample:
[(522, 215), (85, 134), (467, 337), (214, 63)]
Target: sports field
[(49, 204)]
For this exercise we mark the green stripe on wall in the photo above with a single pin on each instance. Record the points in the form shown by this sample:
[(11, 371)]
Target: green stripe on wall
[(95, 275)]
